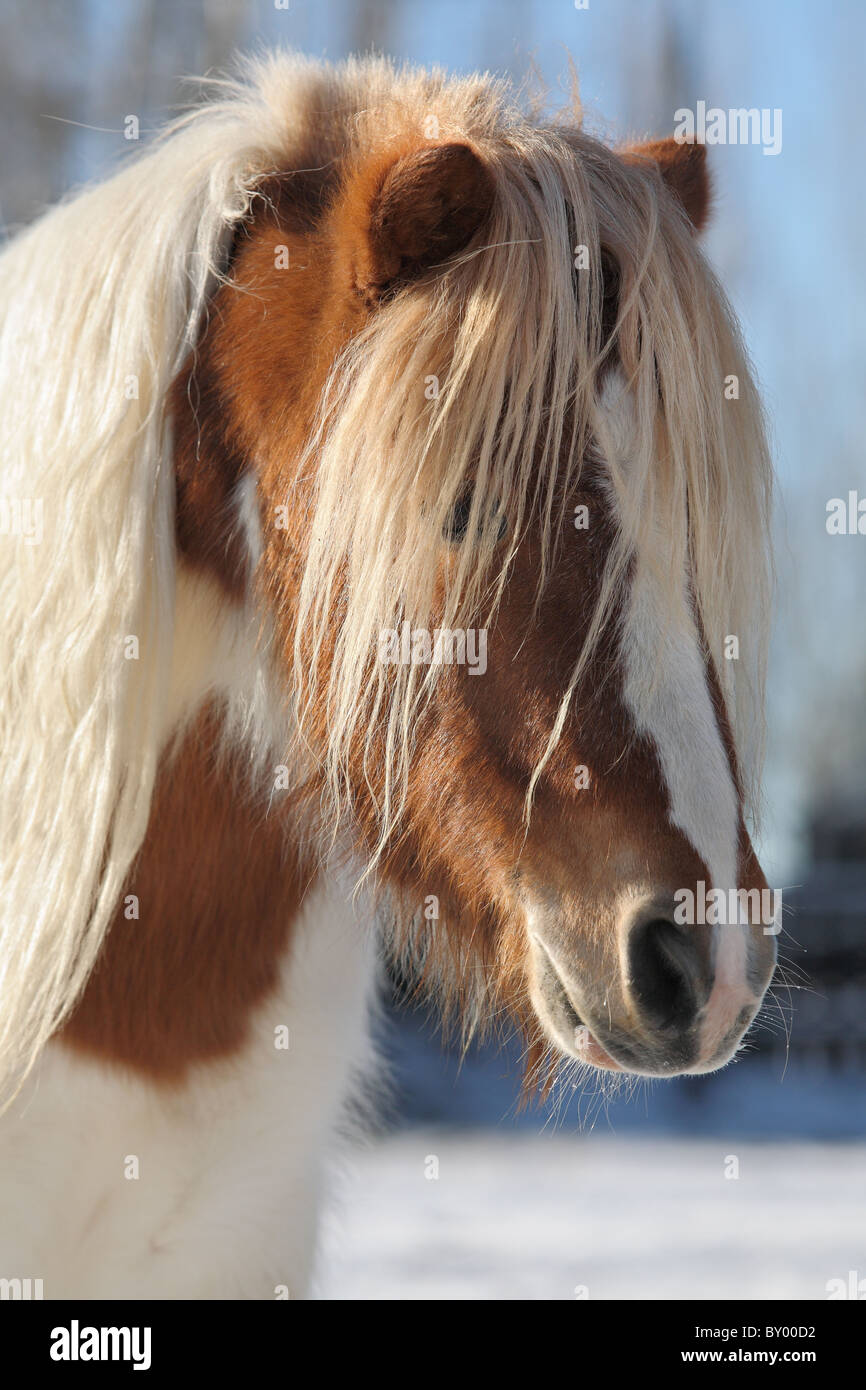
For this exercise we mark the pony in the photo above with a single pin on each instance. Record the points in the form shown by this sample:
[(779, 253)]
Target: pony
[(396, 514)]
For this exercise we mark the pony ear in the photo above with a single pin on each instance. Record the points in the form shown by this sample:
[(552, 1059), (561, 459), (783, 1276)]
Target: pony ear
[(683, 167), (424, 209)]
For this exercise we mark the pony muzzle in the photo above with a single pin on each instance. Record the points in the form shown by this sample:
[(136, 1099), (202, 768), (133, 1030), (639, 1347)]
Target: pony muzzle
[(678, 1000)]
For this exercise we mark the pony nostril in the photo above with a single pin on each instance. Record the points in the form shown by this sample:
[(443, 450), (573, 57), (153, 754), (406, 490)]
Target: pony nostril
[(663, 970)]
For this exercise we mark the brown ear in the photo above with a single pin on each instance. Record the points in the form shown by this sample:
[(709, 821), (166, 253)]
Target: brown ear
[(424, 208), (683, 167)]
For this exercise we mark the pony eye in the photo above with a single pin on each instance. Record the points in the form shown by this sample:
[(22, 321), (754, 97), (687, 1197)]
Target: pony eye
[(610, 279), (610, 275), (457, 524)]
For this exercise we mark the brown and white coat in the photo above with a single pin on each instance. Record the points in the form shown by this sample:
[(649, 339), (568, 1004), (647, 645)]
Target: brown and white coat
[(315, 371)]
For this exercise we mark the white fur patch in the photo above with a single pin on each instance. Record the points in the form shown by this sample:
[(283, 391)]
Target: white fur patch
[(230, 1166), (667, 693), (223, 649), (249, 519)]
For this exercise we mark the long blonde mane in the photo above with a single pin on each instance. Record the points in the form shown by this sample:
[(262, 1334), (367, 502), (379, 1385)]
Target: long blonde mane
[(103, 298), (486, 379)]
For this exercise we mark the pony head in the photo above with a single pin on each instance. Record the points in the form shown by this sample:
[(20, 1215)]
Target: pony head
[(506, 520), (463, 432)]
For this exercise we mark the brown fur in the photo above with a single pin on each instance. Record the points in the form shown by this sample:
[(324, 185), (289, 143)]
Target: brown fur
[(218, 883)]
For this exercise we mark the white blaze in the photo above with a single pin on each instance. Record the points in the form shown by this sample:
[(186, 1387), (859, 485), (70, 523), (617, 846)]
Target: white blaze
[(667, 693)]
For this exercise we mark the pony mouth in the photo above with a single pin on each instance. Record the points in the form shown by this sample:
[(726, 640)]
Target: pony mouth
[(589, 1050), (562, 1021), (585, 1046)]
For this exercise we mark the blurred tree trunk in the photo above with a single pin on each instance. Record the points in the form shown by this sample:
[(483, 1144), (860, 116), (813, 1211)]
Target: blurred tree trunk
[(224, 31), (369, 25), (37, 81), (71, 71)]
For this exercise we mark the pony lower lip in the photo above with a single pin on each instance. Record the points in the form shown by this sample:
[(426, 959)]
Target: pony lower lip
[(584, 1043), (589, 1049)]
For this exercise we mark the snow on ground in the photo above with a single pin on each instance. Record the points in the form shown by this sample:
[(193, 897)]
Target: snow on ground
[(545, 1216)]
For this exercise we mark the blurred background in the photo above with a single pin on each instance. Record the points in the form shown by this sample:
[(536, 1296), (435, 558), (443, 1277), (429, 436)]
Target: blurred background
[(750, 1183)]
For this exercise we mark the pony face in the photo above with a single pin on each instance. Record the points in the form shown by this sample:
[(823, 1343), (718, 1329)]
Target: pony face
[(505, 521)]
